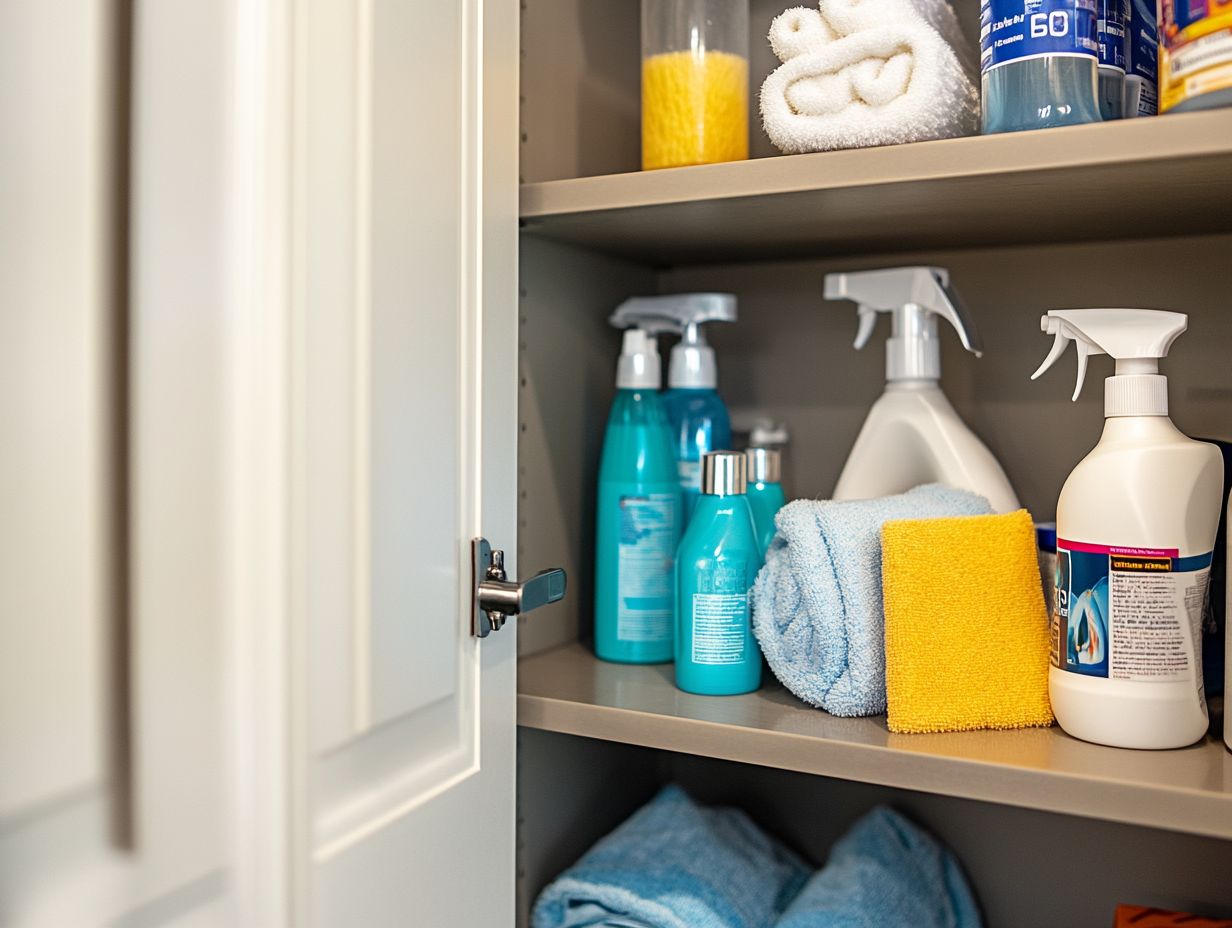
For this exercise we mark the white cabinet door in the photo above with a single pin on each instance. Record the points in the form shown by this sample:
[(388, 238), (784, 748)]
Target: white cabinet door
[(403, 448), (113, 785)]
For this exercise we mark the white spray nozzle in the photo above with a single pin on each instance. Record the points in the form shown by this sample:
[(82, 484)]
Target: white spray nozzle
[(914, 296), (1135, 338), (692, 363)]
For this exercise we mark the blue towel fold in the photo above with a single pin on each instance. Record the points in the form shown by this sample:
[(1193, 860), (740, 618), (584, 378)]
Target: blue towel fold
[(675, 864), (817, 609), (885, 872)]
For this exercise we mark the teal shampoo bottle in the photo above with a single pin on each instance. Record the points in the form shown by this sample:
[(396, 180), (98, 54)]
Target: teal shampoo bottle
[(765, 492), (716, 564), (638, 516)]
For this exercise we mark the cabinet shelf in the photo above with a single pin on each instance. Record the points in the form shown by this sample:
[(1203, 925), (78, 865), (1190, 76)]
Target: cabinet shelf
[(568, 690), (1136, 178)]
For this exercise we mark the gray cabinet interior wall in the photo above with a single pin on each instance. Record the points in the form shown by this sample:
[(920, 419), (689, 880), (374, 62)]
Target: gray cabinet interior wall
[(790, 358)]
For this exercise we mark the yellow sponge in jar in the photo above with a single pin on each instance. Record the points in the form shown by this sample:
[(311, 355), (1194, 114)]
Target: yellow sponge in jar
[(695, 108), (966, 629)]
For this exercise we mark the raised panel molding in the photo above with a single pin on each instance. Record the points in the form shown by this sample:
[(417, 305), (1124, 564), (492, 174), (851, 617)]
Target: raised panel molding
[(386, 418)]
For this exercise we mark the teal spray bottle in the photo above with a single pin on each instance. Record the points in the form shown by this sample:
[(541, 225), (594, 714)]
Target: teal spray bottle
[(697, 414), (765, 492), (638, 517), (718, 560)]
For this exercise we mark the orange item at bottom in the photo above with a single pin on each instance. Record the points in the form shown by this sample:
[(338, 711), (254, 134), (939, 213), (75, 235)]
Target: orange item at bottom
[(1140, 916)]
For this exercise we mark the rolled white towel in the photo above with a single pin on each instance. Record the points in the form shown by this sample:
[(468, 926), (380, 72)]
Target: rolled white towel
[(859, 73)]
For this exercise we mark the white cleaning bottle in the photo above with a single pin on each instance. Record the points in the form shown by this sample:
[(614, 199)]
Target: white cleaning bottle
[(1136, 525), (912, 434)]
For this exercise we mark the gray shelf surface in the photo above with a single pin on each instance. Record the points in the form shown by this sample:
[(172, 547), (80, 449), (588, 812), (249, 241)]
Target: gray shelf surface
[(1135, 178), (568, 690)]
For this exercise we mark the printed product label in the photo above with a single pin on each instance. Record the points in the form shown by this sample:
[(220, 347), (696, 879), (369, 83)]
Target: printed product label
[(1015, 30), (690, 473), (1195, 50), (721, 615), (1142, 47), (646, 559), (1110, 31), (1129, 613)]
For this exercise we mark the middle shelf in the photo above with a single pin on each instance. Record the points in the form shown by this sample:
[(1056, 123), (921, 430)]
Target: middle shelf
[(1135, 178), (568, 690)]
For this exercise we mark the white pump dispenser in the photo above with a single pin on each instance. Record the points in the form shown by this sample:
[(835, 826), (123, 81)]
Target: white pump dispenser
[(1136, 523), (912, 434), (692, 359), (639, 367)]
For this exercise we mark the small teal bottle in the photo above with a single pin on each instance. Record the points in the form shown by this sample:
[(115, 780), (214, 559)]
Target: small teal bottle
[(638, 516), (716, 564), (765, 492)]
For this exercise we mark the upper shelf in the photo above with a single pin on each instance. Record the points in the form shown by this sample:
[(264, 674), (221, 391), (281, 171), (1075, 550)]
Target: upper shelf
[(568, 690), (1136, 178)]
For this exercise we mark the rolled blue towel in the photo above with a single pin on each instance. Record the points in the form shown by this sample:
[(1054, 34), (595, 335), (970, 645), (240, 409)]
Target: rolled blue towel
[(675, 864), (885, 872), (817, 608)]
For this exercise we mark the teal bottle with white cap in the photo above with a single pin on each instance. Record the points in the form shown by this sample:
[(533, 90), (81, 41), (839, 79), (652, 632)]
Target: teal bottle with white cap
[(638, 518), (698, 416), (716, 565), (765, 492), (1136, 524)]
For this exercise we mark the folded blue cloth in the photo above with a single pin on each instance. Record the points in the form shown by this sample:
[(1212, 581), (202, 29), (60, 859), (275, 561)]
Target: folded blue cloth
[(817, 608), (885, 872), (675, 864)]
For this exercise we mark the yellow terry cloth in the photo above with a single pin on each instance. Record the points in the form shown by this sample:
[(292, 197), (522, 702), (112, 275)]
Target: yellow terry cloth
[(966, 631)]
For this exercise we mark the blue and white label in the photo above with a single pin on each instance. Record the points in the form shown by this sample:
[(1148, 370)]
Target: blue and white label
[(721, 620), (1016, 30), (1110, 31), (1129, 613), (1142, 56), (646, 561)]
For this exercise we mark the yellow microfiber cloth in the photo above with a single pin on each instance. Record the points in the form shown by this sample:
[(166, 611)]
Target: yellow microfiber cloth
[(966, 630)]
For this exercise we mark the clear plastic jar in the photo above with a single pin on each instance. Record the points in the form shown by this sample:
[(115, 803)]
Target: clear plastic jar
[(695, 82)]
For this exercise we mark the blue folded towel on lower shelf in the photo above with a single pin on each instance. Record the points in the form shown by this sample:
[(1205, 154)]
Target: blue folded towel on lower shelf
[(675, 864), (817, 607), (885, 872)]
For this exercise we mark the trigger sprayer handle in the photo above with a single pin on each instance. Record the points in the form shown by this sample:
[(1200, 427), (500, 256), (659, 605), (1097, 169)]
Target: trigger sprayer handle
[(868, 322), (1057, 327)]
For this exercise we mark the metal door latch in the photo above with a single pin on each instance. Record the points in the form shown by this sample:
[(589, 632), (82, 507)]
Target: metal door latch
[(495, 599)]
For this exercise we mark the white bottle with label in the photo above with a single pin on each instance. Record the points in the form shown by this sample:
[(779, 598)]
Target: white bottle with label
[(1136, 524)]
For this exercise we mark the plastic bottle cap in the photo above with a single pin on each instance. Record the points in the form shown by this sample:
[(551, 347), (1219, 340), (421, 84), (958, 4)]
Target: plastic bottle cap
[(765, 465), (692, 367), (724, 474), (639, 366)]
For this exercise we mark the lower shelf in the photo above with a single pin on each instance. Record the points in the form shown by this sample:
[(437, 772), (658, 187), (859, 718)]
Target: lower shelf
[(568, 690)]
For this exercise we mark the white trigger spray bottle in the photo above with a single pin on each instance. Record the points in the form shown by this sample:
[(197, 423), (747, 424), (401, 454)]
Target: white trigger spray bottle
[(912, 434), (1136, 525)]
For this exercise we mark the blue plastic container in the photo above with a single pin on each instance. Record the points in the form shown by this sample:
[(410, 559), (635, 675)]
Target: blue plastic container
[(1039, 63), (700, 424), (764, 493), (638, 527), (716, 565)]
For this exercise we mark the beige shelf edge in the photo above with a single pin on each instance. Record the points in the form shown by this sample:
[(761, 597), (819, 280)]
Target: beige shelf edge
[(1133, 178), (567, 690)]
